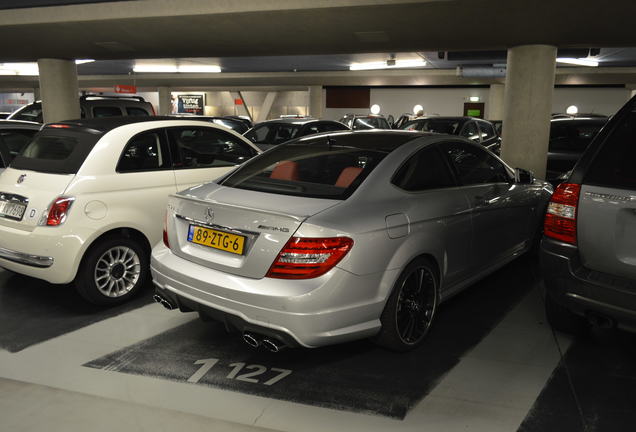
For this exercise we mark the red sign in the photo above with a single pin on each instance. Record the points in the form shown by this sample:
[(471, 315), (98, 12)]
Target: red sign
[(128, 89), (238, 101)]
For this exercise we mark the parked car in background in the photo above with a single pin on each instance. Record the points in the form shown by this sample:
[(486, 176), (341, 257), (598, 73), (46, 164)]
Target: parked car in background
[(477, 130), (237, 124), (569, 137), (84, 201), (274, 132), (14, 135), (93, 106), (365, 121), (4, 115), (588, 252), (336, 237)]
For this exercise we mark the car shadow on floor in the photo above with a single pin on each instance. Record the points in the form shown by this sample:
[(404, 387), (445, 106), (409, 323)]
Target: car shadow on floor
[(356, 376), (592, 389), (33, 311)]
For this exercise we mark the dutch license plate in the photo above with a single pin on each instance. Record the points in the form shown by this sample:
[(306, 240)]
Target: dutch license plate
[(12, 210), (221, 240)]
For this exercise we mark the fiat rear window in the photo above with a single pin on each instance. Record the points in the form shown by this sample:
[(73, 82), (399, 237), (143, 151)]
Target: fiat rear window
[(319, 168), (55, 153)]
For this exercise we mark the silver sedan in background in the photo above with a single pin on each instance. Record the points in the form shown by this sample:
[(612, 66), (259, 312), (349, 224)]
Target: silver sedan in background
[(342, 236)]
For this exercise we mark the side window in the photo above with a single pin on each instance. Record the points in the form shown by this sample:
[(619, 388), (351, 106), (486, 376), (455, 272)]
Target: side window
[(16, 140), (32, 113), (473, 165), (425, 170), (470, 131), (136, 112), (615, 163), (106, 111), (312, 128), (487, 131), (207, 147), (143, 153)]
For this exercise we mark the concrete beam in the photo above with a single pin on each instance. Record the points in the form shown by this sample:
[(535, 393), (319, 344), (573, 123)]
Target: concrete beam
[(263, 113)]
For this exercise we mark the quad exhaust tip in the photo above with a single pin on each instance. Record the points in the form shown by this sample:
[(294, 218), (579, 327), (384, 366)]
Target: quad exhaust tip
[(273, 345), (163, 302), (251, 339), (255, 341)]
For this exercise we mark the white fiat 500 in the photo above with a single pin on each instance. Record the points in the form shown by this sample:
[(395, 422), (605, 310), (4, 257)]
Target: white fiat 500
[(85, 200)]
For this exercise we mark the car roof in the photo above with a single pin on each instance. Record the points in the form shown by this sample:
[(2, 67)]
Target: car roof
[(20, 124), (377, 139), (600, 120), (292, 120), (463, 118), (105, 124)]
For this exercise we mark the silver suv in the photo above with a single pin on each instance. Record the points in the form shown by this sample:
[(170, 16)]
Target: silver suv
[(588, 252)]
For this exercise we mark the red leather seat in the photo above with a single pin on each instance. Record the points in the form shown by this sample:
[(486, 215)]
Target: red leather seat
[(285, 170), (347, 176)]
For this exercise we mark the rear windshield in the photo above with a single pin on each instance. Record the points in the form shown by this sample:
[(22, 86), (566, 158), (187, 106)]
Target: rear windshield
[(273, 133), (449, 127), (52, 152), (361, 123), (321, 168), (615, 163)]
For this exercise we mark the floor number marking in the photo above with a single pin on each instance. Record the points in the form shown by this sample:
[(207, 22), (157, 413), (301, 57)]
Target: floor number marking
[(256, 370)]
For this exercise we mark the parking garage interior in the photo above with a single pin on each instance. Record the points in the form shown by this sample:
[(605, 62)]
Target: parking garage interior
[(492, 359)]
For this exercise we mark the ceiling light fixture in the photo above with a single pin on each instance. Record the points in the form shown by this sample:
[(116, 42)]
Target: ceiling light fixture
[(82, 61), (389, 64), (578, 61), (474, 98), (158, 68), (572, 110), (19, 69), (375, 109)]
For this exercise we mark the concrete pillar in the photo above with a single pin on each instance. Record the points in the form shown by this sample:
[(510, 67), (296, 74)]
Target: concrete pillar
[(316, 102), (59, 90), (528, 106), (495, 105), (36, 94), (165, 101)]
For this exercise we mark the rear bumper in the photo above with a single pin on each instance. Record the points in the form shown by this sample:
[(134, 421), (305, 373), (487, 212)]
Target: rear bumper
[(336, 307), (26, 259), (582, 290)]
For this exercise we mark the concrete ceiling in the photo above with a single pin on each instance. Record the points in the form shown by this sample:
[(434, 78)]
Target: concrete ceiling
[(194, 28)]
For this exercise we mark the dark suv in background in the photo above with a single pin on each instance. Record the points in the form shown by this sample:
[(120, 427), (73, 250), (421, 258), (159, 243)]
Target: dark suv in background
[(273, 132), (569, 137), (93, 106), (588, 252)]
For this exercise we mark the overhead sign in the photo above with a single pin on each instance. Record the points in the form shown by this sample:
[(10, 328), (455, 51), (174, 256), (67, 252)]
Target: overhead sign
[(128, 89), (192, 104), (238, 101)]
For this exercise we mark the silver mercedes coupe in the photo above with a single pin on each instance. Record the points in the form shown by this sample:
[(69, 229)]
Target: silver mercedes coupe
[(347, 235)]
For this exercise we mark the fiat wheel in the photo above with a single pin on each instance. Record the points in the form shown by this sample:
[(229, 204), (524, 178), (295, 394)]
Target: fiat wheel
[(409, 312), (112, 271)]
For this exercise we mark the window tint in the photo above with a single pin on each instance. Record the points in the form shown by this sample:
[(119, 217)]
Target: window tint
[(31, 112), (572, 137), (487, 131), (470, 131), (615, 164), (207, 147), (319, 169), (15, 140), (312, 128), (444, 126), (331, 127), (106, 112), (425, 170), (143, 153), (273, 133), (361, 123), (137, 112), (473, 165)]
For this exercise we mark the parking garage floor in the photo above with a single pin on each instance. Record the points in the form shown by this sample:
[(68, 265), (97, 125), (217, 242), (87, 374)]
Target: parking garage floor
[(491, 363)]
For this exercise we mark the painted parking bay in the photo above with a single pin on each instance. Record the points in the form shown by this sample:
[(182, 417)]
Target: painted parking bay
[(357, 376)]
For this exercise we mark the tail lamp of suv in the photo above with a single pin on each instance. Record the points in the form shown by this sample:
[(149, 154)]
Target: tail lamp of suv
[(306, 257), (560, 219), (58, 211)]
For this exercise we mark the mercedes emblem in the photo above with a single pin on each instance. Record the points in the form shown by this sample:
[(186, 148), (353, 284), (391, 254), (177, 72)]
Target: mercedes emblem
[(21, 178)]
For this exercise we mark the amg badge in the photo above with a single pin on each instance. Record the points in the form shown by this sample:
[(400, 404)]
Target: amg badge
[(285, 230)]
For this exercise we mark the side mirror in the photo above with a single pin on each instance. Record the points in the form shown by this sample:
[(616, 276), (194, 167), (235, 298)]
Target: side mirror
[(524, 176)]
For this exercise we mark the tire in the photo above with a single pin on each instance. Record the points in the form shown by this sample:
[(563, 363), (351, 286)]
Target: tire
[(409, 312), (562, 319), (112, 271)]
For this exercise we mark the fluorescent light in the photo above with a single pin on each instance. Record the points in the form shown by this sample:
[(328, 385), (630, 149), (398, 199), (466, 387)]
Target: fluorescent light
[(383, 65), (577, 61), (159, 68), (474, 98), (82, 61), (19, 69), (375, 109)]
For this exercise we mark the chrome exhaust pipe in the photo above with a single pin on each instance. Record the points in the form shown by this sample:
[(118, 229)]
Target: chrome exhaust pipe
[(273, 345), (251, 339), (163, 302)]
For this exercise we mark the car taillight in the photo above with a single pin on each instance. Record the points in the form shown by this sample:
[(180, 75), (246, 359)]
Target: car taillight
[(165, 231), (560, 219), (306, 257), (58, 211)]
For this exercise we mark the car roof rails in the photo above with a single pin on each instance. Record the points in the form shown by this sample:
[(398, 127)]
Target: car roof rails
[(96, 96)]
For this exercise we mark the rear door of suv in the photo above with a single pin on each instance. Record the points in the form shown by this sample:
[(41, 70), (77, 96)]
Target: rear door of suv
[(606, 214)]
